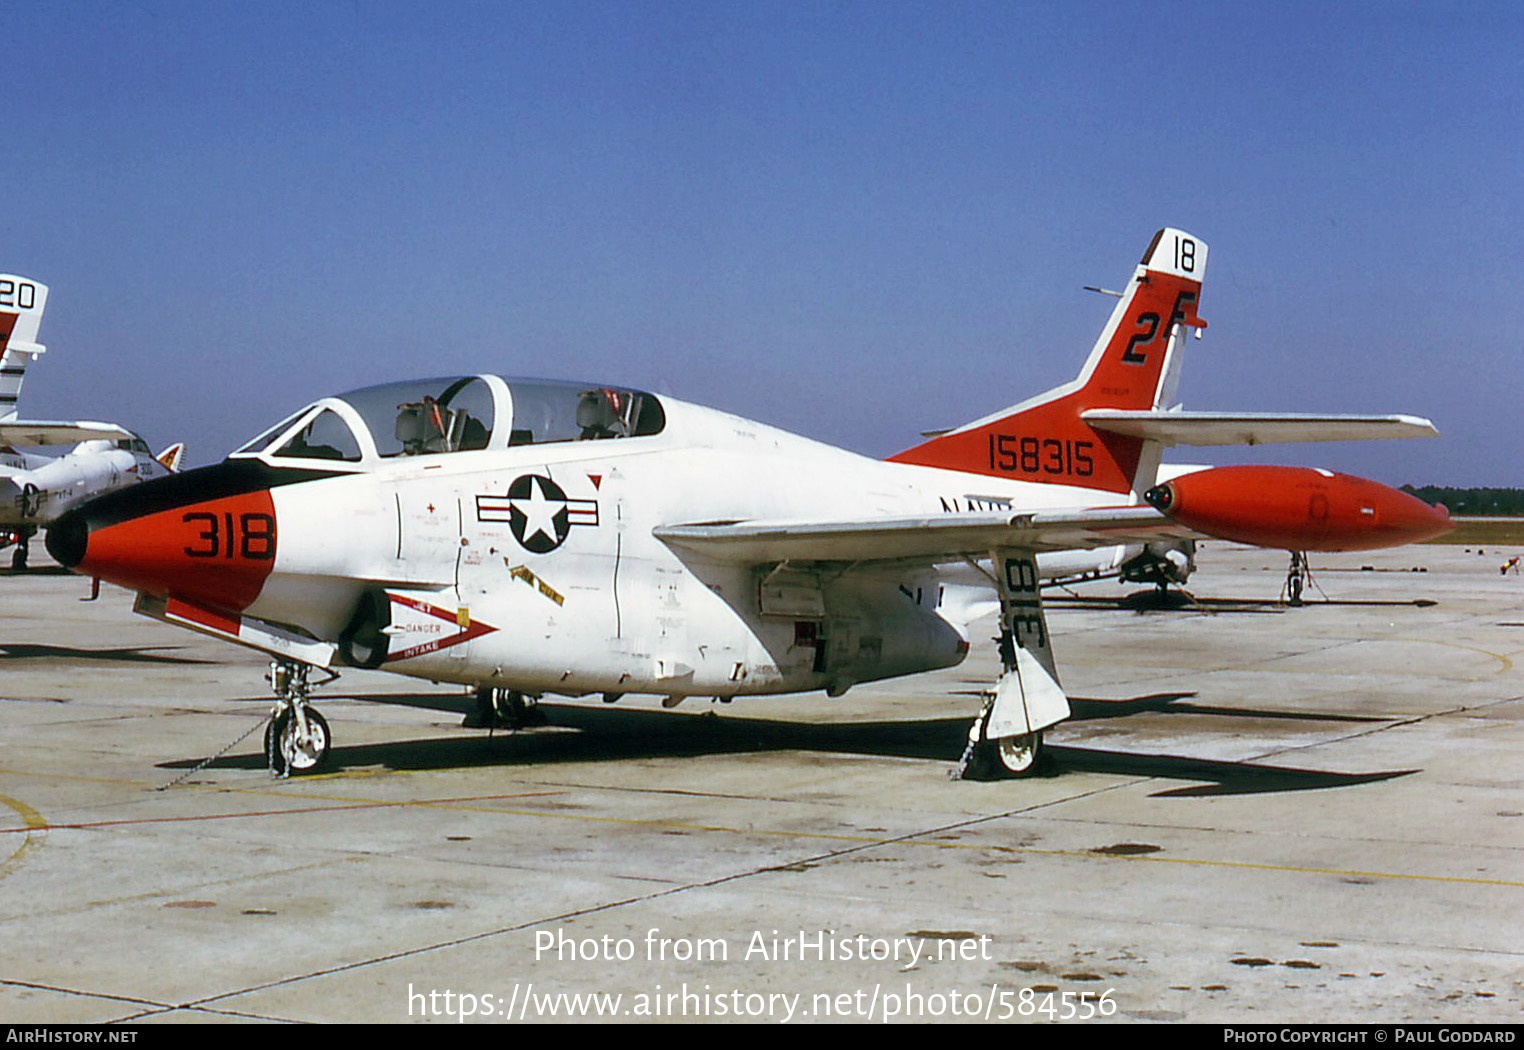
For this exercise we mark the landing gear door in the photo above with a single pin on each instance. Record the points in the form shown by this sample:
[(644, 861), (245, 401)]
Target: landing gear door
[(1028, 696)]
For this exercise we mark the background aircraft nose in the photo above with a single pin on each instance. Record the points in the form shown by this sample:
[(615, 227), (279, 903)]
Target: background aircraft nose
[(66, 539), (207, 534)]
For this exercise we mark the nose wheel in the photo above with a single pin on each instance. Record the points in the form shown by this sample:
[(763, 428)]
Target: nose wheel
[(297, 739), (296, 744)]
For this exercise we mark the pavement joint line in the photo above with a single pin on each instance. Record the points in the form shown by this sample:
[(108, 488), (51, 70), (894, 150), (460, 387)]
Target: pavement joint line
[(153, 1007), (860, 842), (563, 917), (763, 870), (7, 982), (872, 842), (1399, 723)]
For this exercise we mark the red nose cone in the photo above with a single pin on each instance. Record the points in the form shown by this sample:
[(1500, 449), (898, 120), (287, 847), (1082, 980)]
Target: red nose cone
[(218, 551), (1298, 508)]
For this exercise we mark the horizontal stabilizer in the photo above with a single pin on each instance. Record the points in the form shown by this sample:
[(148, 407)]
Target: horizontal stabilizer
[(921, 540), (1253, 428), (36, 433)]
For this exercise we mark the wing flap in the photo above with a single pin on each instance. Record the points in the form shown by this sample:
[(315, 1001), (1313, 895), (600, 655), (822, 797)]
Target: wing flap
[(1253, 428), (928, 540)]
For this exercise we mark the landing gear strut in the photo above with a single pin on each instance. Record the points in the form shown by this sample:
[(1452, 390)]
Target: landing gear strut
[(1298, 575), (24, 536), (297, 739)]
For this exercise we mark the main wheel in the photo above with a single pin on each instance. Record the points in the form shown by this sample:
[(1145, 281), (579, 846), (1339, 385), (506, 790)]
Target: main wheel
[(516, 710), (1005, 757), (1019, 754), (292, 752)]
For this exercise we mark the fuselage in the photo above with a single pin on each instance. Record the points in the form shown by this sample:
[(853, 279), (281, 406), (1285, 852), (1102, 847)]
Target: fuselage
[(35, 489), (526, 559)]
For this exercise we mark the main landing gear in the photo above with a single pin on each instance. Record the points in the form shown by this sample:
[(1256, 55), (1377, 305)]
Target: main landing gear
[(1298, 575), (1006, 739), (996, 758), (21, 537), (504, 709), (297, 739)]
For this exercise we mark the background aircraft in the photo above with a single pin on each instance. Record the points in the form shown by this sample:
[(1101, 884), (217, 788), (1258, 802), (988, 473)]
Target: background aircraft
[(36, 488), (525, 537)]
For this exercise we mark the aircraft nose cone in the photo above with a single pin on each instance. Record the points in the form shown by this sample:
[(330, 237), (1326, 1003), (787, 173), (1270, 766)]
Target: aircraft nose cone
[(67, 538), (207, 535)]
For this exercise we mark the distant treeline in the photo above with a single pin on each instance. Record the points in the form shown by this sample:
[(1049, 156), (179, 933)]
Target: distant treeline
[(1478, 502)]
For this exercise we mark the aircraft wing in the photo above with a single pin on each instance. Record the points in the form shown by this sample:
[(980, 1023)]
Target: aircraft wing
[(36, 433), (942, 538), (1253, 428)]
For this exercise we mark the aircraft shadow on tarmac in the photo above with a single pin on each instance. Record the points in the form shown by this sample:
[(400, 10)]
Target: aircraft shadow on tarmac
[(597, 734), (139, 654)]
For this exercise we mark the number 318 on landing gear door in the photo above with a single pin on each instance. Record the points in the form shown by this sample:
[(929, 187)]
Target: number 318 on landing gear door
[(1012, 454)]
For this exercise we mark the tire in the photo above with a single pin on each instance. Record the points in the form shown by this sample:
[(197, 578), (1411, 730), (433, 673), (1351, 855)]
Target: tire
[(1019, 755), (1006, 758), (290, 756)]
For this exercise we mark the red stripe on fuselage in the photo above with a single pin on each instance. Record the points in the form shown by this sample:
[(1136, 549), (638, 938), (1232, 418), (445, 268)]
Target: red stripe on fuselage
[(211, 619), (471, 629)]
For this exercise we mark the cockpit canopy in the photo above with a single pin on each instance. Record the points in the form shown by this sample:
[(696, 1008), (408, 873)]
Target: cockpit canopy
[(428, 417)]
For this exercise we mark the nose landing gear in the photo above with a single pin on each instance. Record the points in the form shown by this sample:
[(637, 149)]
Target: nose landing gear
[(297, 739)]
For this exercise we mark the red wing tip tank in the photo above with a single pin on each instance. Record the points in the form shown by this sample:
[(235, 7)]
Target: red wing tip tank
[(1298, 509)]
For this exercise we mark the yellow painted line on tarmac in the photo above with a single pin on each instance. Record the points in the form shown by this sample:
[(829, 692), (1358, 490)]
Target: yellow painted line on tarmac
[(1505, 663), (34, 824), (336, 806), (33, 827)]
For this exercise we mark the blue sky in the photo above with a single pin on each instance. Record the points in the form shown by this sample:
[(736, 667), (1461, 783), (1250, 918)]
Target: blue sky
[(853, 220)]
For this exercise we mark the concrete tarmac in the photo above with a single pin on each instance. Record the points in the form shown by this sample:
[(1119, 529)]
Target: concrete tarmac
[(1259, 814)]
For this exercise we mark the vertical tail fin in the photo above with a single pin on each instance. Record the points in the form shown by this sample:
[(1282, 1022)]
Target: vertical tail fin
[(172, 457), (1134, 365), (21, 303)]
